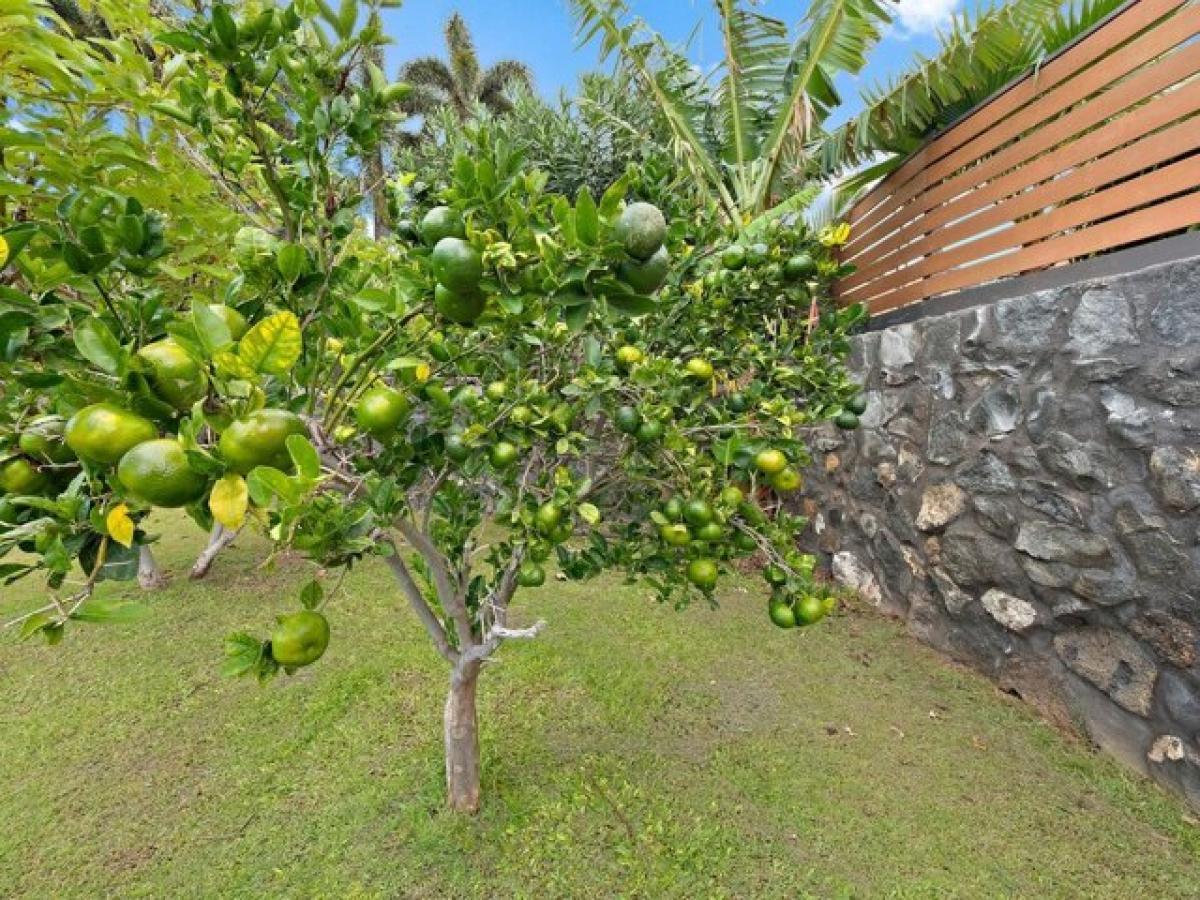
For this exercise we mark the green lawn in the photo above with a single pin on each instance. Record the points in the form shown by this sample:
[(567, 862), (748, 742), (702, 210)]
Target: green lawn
[(629, 751)]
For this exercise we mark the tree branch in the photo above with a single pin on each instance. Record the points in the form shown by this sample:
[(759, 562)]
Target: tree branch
[(452, 602), (416, 600)]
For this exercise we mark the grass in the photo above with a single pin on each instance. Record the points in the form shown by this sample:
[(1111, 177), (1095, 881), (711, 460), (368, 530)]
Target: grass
[(630, 751)]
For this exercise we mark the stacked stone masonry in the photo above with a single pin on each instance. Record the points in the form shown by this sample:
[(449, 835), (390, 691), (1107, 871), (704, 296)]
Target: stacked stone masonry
[(1025, 494)]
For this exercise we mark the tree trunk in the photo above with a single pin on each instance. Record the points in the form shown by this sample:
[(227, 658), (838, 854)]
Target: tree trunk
[(462, 742), (149, 576)]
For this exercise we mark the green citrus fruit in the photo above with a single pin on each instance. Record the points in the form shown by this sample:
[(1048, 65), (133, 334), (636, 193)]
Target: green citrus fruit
[(785, 480), (42, 439), (744, 541), (628, 420), (260, 439), (496, 390), (733, 256), (799, 267), (299, 639), (697, 511), (539, 551), (732, 495), (710, 531), (531, 574), (563, 532), (503, 454), (673, 509), (461, 307), (700, 369), (521, 415), (441, 222), (102, 433), (641, 230), (650, 431), (456, 450), (648, 276), (157, 473), (756, 254), (737, 402), (770, 461), (175, 374), (234, 320), (774, 575), (809, 609), (457, 264), (381, 410), (676, 534), (781, 613), (629, 355), (858, 405), (20, 476), (846, 420), (548, 517), (702, 573)]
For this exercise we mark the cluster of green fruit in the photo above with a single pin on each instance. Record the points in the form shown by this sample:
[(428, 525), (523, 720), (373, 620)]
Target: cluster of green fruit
[(642, 231), (457, 266)]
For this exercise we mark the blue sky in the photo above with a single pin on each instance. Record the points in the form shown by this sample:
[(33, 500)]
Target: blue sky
[(540, 33)]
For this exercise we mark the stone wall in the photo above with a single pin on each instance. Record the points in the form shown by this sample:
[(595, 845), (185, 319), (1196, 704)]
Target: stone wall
[(1025, 493)]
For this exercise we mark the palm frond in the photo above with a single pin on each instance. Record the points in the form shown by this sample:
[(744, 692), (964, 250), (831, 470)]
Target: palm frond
[(755, 54), (504, 75), (662, 74), (1073, 19), (464, 60), (977, 57), (835, 38), (428, 72)]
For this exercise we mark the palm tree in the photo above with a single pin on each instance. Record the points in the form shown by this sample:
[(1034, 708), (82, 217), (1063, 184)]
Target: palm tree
[(459, 83), (752, 131)]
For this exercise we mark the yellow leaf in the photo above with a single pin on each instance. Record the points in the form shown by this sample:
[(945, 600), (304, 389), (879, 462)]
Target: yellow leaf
[(3, 252), (272, 345), (120, 526), (228, 501), (422, 372)]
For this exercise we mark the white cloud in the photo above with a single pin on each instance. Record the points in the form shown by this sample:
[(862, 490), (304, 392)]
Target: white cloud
[(924, 16)]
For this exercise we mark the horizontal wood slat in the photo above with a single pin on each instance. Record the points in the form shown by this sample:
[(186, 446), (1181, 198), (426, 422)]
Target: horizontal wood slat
[(1072, 160), (1129, 22), (1145, 83), (1117, 133)]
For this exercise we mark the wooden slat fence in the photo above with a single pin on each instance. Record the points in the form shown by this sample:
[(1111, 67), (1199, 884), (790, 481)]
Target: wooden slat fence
[(1097, 149)]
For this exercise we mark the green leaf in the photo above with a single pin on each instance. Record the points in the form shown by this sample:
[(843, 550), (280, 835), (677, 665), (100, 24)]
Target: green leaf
[(100, 609), (347, 18), (630, 304), (224, 27), (266, 483), (180, 40), (34, 624), (587, 222), (211, 329), (291, 261), (77, 259), (304, 455), (15, 238), (273, 345), (312, 594), (242, 653), (98, 345)]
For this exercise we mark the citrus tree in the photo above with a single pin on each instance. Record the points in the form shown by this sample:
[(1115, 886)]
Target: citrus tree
[(528, 385)]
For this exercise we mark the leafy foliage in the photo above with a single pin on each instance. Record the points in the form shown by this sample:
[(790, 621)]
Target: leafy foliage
[(523, 375)]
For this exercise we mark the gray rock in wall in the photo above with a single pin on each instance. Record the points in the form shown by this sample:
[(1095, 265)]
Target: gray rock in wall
[(1025, 491)]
